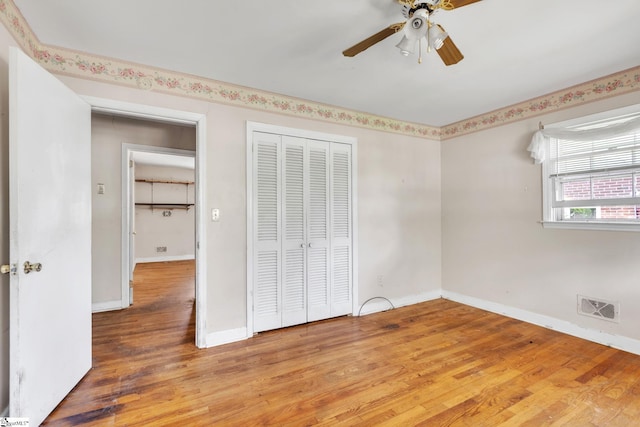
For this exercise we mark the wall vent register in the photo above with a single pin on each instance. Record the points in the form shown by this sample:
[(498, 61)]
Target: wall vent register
[(598, 308)]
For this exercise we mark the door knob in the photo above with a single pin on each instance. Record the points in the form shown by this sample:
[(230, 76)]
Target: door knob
[(302, 245), (6, 269), (28, 267), (310, 245)]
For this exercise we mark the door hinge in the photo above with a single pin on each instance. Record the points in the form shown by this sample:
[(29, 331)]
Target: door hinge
[(130, 163)]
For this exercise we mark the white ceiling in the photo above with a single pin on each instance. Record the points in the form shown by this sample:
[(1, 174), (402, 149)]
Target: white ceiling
[(514, 50)]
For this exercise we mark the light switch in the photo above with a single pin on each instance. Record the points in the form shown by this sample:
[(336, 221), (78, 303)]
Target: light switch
[(215, 215), (100, 188)]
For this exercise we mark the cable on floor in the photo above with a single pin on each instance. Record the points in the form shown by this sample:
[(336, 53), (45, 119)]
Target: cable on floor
[(392, 306)]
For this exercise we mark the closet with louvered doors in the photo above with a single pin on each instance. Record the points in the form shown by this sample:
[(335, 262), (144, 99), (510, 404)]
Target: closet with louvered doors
[(302, 226)]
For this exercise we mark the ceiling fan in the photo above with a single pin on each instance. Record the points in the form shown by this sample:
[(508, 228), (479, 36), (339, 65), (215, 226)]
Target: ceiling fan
[(418, 26)]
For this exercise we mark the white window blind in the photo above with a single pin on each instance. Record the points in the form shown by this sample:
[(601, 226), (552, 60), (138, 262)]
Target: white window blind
[(593, 172)]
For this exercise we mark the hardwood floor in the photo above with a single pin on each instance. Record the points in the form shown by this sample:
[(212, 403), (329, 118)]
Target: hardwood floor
[(437, 363)]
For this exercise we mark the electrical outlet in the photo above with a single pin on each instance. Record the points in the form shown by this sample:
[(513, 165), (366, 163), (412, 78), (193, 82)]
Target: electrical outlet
[(161, 249)]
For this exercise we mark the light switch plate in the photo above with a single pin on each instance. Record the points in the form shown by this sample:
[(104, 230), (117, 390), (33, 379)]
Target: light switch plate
[(215, 215)]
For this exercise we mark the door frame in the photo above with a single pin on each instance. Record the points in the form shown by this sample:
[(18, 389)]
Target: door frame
[(307, 134), (128, 209), (165, 115)]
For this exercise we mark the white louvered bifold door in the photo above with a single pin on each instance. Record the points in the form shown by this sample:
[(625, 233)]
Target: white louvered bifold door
[(341, 230), (302, 227), (294, 290), (318, 265), (267, 311)]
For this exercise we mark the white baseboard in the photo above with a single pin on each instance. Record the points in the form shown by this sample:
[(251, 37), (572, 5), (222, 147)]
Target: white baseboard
[(381, 303), (616, 341), (377, 305), (166, 258), (226, 337), (97, 307)]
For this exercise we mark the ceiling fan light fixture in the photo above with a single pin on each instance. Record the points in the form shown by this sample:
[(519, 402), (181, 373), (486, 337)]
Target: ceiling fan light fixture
[(407, 46), (418, 25), (437, 36)]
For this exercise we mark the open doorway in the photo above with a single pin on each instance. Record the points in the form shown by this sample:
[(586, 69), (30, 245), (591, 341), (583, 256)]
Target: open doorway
[(157, 192), (160, 207), (186, 131)]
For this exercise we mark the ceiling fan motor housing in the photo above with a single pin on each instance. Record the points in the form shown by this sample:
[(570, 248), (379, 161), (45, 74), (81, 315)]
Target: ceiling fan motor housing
[(409, 10), (418, 26)]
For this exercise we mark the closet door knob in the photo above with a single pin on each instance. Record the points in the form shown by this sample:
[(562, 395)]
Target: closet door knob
[(310, 245), (302, 245)]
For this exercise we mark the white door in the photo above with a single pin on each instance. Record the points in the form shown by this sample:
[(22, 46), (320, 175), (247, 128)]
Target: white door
[(318, 231), (50, 224), (267, 245), (303, 230), (294, 290), (341, 230)]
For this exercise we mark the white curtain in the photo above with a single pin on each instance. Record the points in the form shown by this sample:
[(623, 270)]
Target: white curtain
[(538, 146)]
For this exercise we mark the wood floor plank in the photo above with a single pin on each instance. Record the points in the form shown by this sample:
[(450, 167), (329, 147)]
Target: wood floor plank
[(434, 364)]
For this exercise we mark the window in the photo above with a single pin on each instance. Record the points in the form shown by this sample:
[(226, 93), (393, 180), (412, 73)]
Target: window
[(592, 174)]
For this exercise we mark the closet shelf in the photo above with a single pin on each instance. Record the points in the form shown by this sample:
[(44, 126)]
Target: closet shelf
[(159, 181), (166, 205), (186, 206)]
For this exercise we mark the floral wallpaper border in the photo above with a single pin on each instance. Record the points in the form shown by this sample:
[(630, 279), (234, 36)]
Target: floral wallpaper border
[(87, 66), (604, 87)]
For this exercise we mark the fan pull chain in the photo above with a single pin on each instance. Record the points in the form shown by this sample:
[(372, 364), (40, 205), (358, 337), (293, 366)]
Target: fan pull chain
[(419, 51)]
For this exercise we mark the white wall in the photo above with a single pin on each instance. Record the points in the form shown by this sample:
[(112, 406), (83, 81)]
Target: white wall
[(153, 229), (107, 136), (399, 205), (495, 250)]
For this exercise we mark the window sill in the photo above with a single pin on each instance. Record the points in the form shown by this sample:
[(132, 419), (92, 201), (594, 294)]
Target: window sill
[(600, 226)]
